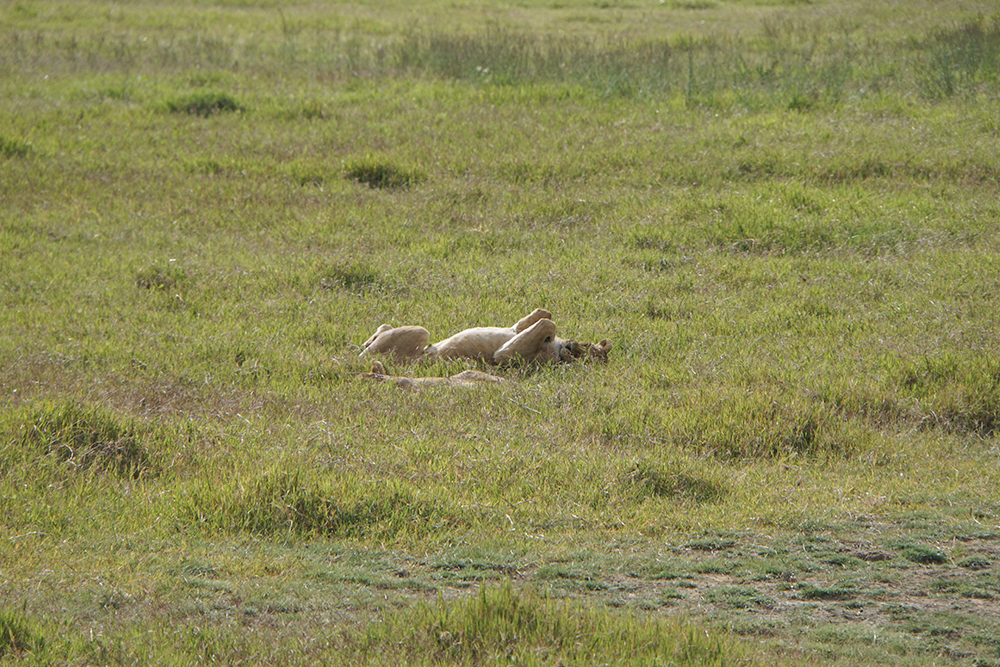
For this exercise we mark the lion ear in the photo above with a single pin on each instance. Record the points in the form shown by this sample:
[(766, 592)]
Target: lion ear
[(605, 346)]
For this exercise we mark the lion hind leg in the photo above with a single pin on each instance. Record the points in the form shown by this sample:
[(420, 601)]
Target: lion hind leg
[(530, 320), (403, 343), (531, 344)]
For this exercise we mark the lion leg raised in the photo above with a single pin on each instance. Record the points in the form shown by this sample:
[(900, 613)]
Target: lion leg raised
[(536, 315), (536, 343)]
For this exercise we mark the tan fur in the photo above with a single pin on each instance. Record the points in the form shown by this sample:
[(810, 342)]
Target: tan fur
[(403, 343), (532, 338), (463, 379)]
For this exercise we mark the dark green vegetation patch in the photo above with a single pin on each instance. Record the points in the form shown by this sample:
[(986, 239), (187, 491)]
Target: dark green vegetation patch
[(657, 480), (81, 438), (378, 172), (282, 503), (159, 278), (13, 148), (921, 553), (16, 635), (204, 104)]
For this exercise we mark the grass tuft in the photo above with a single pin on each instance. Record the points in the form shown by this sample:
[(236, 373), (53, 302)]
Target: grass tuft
[(837, 592), (964, 394), (355, 278), (501, 625), (205, 104), (282, 503), (157, 277), (84, 438), (16, 637), (962, 58), (308, 173), (712, 543), (919, 553), (14, 148), (739, 597), (379, 172), (975, 563), (650, 479), (761, 424)]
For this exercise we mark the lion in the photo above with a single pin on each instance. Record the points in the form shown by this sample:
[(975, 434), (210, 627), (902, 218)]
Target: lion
[(532, 339), (464, 379)]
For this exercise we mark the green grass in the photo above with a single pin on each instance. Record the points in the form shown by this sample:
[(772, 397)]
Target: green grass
[(16, 636), (378, 173), (783, 215), (204, 104)]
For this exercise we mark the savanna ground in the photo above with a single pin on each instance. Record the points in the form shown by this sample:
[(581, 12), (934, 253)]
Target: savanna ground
[(783, 214)]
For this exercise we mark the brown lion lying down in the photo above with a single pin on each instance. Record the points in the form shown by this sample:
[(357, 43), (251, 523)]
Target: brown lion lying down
[(532, 338), (463, 379)]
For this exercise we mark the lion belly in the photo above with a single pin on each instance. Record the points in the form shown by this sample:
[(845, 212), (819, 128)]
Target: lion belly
[(479, 343)]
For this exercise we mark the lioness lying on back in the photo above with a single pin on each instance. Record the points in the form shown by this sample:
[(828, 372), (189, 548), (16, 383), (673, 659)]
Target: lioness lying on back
[(533, 338)]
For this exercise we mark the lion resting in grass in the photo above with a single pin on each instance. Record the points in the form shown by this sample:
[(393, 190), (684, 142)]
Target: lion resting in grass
[(533, 338), (463, 379)]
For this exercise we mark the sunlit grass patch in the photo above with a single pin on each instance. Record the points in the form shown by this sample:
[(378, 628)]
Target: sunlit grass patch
[(497, 622), (529, 630)]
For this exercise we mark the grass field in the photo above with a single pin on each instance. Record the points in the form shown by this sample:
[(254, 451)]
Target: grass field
[(784, 214)]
